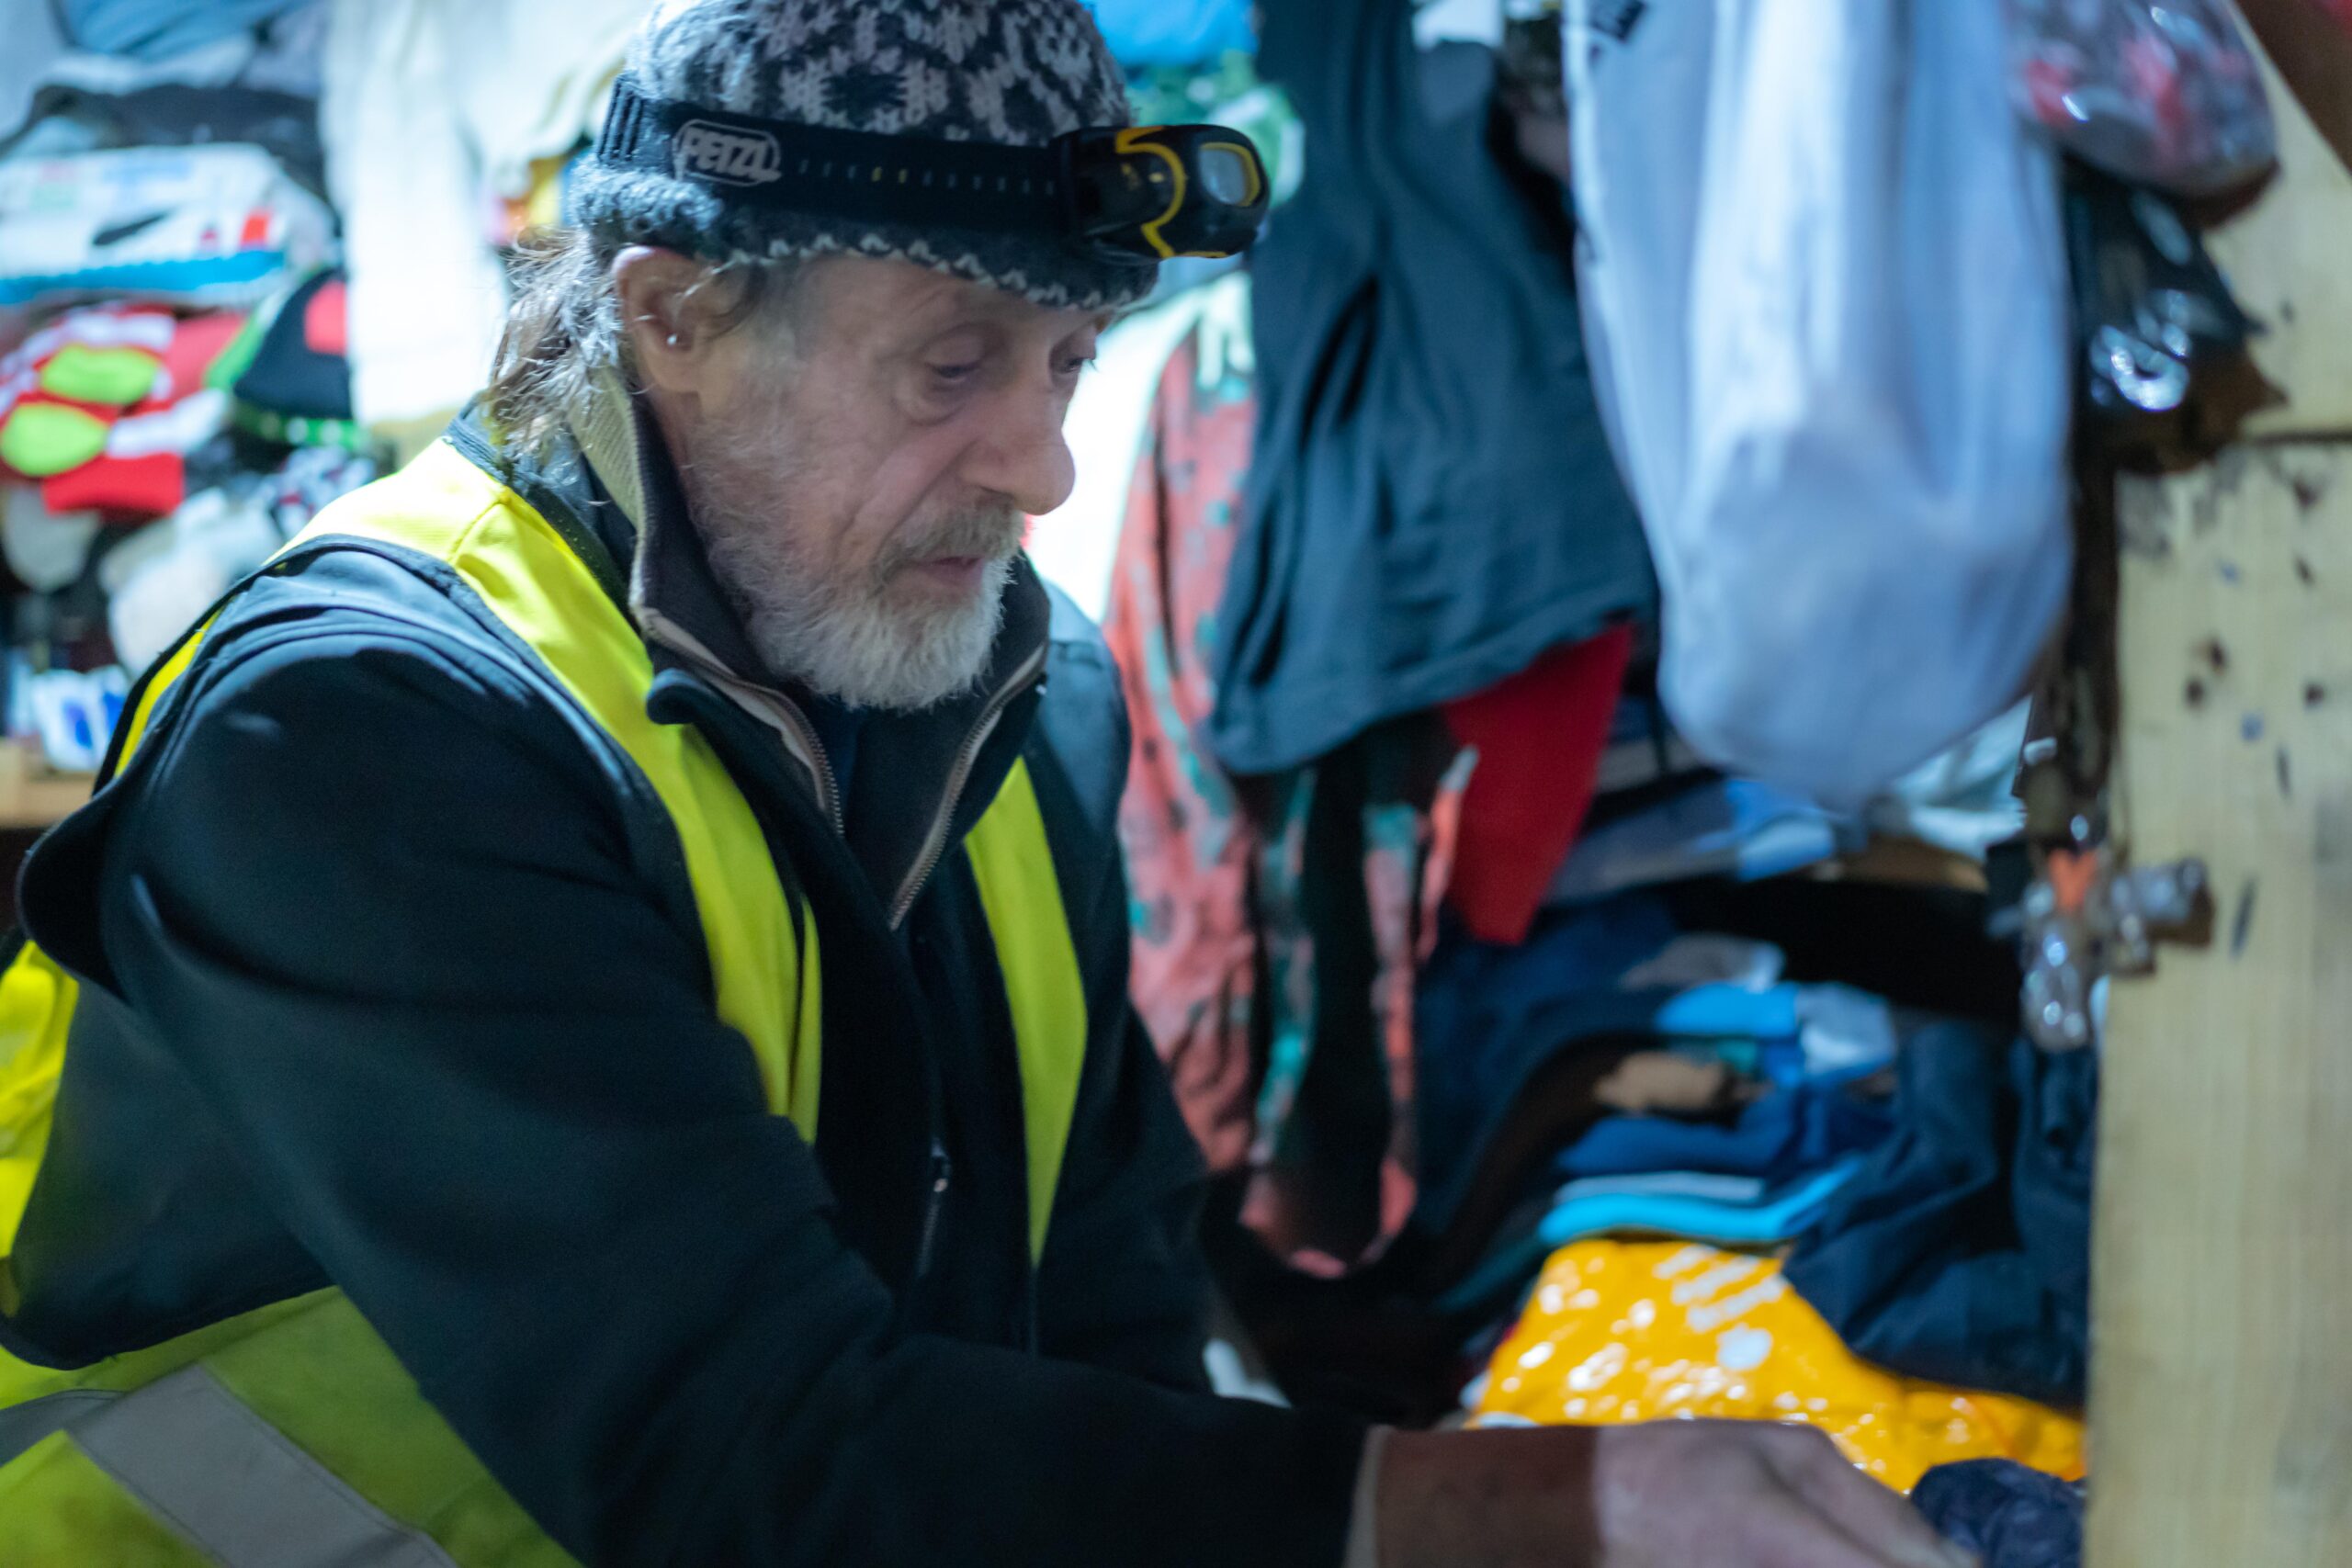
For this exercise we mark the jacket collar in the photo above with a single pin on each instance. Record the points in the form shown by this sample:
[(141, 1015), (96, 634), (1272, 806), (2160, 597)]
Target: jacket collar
[(923, 779)]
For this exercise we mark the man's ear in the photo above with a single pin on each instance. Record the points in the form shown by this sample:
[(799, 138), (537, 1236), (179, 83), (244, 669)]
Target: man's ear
[(667, 314)]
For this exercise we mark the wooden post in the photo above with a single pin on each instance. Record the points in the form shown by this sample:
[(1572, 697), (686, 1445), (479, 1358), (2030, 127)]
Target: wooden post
[(2222, 1373)]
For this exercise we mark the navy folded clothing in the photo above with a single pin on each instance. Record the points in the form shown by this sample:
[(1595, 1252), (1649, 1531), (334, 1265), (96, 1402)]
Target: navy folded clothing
[(1777, 1138), (2008, 1514), (1962, 1252)]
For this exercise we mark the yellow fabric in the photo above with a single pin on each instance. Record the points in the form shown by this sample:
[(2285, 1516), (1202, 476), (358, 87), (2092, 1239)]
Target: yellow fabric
[(1013, 866), (36, 1005), (1637, 1331)]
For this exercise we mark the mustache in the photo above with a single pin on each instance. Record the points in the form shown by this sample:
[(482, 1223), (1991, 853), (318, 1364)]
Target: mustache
[(985, 533)]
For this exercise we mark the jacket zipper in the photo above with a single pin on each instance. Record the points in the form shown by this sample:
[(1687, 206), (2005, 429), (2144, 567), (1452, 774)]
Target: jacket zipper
[(779, 712), (934, 845), (941, 1173)]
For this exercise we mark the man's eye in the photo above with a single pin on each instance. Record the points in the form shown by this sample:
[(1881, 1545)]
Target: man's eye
[(1078, 365), (955, 374)]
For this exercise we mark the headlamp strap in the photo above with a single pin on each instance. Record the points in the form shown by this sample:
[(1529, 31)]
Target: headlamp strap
[(860, 177)]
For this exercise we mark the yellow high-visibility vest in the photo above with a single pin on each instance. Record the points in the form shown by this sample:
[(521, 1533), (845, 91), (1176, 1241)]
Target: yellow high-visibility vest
[(289, 1436)]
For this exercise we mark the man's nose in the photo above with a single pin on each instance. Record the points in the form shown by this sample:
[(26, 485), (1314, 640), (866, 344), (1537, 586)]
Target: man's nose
[(1022, 454)]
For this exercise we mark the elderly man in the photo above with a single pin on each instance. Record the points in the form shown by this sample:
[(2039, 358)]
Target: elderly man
[(589, 1023)]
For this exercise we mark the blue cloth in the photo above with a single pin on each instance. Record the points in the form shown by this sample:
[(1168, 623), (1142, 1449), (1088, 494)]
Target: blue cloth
[(1962, 1252), (1731, 1012), (157, 29), (1734, 828), (2008, 1514), (1488, 1016), (1174, 32), (1780, 1213), (1778, 1137)]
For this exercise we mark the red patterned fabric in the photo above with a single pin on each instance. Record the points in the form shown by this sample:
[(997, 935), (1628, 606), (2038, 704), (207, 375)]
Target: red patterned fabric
[(1280, 924), (1189, 849)]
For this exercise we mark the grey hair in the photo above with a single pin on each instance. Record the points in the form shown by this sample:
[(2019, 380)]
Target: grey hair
[(564, 330)]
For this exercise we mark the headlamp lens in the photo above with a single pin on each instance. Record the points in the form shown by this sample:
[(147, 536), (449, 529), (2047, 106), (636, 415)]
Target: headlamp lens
[(1226, 175)]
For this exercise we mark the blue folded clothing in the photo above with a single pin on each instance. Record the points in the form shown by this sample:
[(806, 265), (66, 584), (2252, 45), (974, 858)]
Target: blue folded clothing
[(1777, 1138), (1675, 1206)]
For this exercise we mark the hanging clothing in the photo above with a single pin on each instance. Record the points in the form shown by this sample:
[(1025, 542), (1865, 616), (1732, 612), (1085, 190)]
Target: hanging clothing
[(1280, 931), (1540, 736), (1962, 1251), (1190, 847), (1433, 505), (430, 105), (1351, 876)]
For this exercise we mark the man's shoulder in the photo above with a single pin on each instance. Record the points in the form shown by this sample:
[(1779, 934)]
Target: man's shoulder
[(345, 646), (1071, 629), (1083, 722), (323, 605)]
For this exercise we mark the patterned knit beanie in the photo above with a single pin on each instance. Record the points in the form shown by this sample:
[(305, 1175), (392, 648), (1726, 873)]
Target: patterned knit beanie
[(1017, 73)]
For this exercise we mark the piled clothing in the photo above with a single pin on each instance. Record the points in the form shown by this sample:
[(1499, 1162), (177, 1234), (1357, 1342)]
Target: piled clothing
[(104, 407), (1634, 1331), (1962, 1251), (428, 106), (1717, 1101), (177, 400), (158, 29), (2011, 1516), (289, 370)]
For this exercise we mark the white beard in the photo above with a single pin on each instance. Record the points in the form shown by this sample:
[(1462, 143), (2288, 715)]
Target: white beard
[(840, 631), (855, 646)]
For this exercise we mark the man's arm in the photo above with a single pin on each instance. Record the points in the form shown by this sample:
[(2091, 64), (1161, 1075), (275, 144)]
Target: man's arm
[(1122, 1283), (382, 909)]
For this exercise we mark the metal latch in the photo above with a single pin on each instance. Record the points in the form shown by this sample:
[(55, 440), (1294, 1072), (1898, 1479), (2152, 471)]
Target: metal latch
[(2089, 915)]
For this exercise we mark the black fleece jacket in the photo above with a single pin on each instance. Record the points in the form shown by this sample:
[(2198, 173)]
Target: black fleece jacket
[(393, 980)]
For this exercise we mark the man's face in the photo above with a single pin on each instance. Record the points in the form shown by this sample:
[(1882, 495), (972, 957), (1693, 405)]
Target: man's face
[(862, 498)]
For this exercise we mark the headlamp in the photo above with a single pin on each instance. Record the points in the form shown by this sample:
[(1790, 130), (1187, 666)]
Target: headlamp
[(1133, 193)]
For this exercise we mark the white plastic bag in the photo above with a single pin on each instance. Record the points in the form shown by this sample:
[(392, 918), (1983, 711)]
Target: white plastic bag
[(1826, 293)]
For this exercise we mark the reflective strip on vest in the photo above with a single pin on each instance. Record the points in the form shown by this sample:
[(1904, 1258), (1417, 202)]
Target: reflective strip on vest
[(225, 1479)]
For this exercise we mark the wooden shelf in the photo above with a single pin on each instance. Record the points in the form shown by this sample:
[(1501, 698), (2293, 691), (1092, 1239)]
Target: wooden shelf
[(32, 795)]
